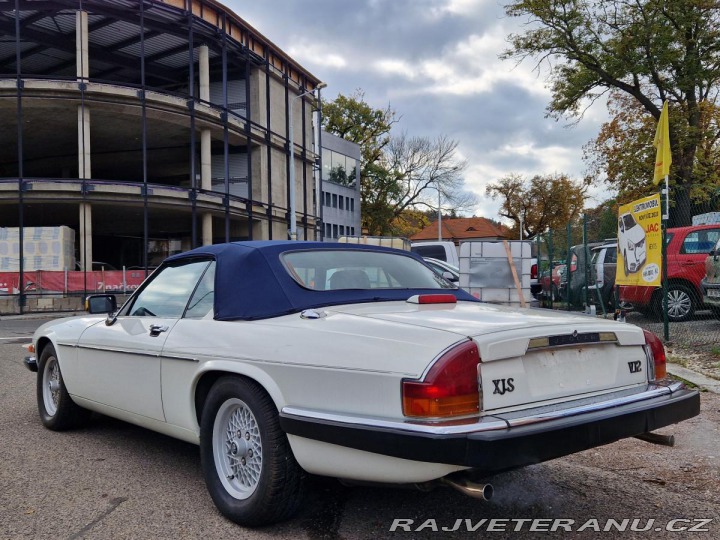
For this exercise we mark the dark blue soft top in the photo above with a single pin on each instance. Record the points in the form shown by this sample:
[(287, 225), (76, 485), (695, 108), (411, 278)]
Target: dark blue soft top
[(251, 281)]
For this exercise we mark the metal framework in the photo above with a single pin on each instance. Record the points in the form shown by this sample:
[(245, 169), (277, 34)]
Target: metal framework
[(144, 55)]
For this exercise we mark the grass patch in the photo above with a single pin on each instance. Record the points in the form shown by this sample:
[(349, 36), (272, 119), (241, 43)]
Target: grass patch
[(677, 360), (686, 382)]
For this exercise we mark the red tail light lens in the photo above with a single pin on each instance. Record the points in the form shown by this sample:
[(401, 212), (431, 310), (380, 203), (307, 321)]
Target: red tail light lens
[(533, 271), (450, 387), (657, 350)]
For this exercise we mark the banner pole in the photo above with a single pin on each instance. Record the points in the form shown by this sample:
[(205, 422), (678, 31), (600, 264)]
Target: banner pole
[(665, 218)]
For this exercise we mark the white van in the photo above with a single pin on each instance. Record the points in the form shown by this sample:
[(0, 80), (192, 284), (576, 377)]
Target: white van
[(443, 251)]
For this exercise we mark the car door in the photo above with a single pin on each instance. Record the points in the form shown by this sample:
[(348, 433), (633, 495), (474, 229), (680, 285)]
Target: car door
[(119, 363), (692, 254)]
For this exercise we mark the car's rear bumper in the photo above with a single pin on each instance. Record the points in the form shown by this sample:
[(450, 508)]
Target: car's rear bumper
[(503, 441), (706, 287)]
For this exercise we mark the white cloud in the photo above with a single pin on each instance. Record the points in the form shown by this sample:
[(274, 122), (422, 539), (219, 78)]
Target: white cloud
[(316, 54)]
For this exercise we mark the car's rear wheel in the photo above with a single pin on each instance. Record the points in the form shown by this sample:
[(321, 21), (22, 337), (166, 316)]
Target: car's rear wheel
[(57, 409), (249, 468), (681, 303)]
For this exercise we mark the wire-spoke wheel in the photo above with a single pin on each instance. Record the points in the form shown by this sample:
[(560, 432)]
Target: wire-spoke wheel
[(249, 468), (237, 448), (57, 409)]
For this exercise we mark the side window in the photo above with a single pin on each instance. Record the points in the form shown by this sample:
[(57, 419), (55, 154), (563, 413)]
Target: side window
[(169, 291), (700, 241), (203, 299), (611, 256)]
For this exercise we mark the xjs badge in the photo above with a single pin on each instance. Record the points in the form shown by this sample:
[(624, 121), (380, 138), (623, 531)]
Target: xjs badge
[(503, 385)]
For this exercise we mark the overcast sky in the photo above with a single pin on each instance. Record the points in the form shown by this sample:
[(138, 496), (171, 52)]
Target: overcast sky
[(436, 63)]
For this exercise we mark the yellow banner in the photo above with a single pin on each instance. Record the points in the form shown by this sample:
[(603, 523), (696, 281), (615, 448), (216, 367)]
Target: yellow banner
[(639, 260)]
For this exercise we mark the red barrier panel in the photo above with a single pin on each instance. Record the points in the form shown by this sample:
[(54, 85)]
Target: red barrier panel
[(71, 282)]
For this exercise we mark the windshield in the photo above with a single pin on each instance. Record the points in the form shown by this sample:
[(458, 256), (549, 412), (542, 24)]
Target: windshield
[(325, 270), (628, 221)]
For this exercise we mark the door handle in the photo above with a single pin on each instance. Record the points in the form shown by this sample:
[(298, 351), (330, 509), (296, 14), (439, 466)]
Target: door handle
[(156, 329)]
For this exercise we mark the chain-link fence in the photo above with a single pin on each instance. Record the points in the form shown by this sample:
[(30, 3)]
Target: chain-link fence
[(578, 268)]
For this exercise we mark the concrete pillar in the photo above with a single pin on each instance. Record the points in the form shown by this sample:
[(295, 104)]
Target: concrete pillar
[(207, 237), (204, 72), (86, 255), (205, 141), (84, 170), (82, 59), (206, 182)]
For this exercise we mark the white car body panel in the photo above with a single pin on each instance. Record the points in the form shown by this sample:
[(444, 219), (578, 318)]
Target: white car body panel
[(350, 464)]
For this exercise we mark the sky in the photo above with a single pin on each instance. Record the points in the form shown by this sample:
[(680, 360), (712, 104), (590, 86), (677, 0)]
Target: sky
[(435, 62)]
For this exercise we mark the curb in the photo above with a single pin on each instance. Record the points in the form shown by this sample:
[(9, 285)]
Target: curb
[(41, 315), (698, 379)]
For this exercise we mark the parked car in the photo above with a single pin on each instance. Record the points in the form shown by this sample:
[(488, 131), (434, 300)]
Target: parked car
[(710, 284), (442, 251), (285, 358), (550, 285), (631, 240), (687, 249), (575, 293), (603, 266), (443, 268)]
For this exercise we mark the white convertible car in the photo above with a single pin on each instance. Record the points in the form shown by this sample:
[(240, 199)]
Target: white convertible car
[(356, 362)]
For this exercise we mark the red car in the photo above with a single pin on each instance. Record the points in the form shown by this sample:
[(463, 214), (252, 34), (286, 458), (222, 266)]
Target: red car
[(687, 249)]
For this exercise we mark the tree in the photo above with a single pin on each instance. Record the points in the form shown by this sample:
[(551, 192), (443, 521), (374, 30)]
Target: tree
[(623, 151), (540, 203), (650, 50), (398, 174)]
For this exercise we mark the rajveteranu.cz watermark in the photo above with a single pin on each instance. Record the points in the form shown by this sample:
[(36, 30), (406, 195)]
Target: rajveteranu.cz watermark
[(551, 525)]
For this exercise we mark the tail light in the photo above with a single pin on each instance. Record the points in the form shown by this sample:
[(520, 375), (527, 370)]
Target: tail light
[(533, 271), (450, 388), (655, 352)]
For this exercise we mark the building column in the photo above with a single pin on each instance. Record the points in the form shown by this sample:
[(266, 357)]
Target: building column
[(82, 58), (83, 71), (86, 255), (205, 142)]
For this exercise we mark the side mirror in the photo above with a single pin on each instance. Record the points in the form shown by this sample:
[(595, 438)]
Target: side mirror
[(450, 276), (101, 303)]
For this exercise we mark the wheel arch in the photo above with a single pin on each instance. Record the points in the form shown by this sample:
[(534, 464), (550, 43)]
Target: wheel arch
[(696, 296), (207, 378), (42, 342)]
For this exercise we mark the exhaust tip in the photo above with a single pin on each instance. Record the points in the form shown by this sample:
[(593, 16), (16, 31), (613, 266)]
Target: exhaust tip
[(471, 489)]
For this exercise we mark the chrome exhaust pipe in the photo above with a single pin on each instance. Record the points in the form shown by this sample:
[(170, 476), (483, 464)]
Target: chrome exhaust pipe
[(463, 485)]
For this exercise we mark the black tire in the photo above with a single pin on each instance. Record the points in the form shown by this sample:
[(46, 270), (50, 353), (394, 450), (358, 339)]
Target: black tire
[(253, 477), (681, 303), (57, 409)]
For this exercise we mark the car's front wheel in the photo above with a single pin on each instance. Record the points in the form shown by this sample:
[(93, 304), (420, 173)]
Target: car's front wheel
[(57, 409), (249, 468)]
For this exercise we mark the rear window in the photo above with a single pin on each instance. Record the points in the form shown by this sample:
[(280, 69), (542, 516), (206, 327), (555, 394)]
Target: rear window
[(326, 270)]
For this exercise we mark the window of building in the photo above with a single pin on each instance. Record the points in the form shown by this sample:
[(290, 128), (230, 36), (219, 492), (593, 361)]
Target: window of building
[(335, 231), (352, 205), (342, 230), (327, 199), (342, 202), (352, 231), (334, 200), (328, 230)]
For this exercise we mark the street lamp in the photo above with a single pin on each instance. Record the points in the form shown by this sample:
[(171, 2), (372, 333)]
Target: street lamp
[(293, 222)]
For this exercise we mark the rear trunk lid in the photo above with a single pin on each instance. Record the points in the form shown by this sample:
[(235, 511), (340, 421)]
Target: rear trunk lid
[(532, 357)]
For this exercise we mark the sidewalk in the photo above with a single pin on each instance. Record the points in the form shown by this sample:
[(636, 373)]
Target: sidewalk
[(698, 379)]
